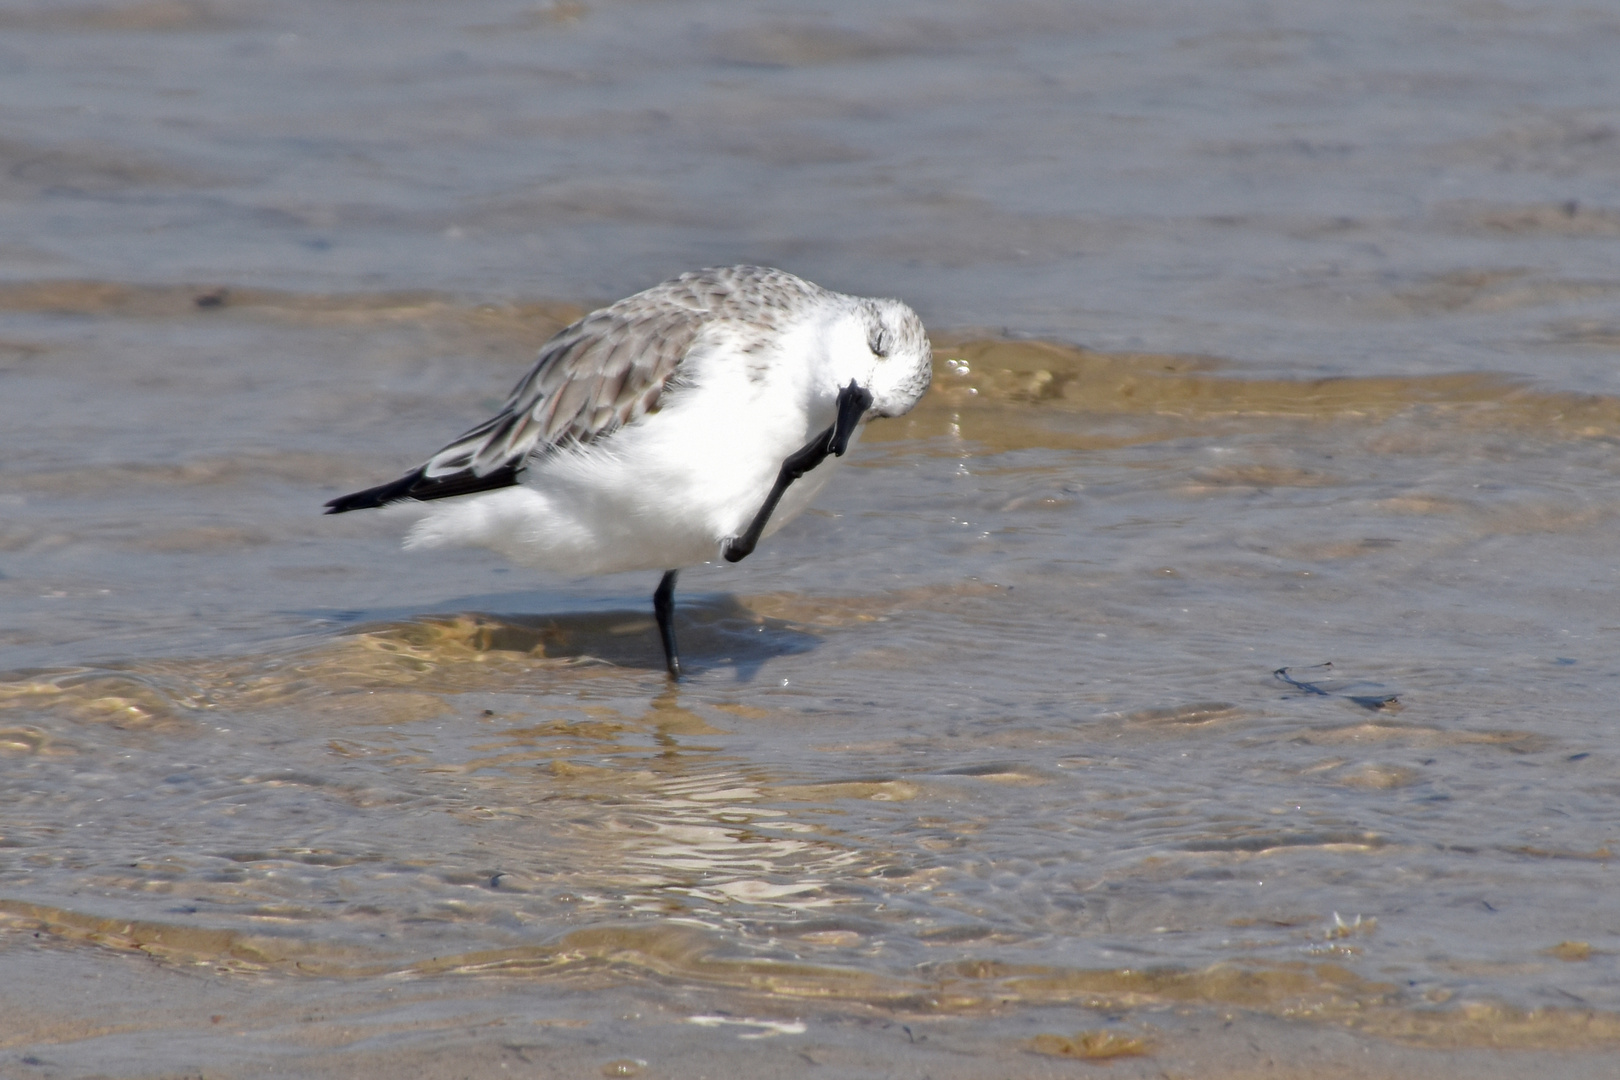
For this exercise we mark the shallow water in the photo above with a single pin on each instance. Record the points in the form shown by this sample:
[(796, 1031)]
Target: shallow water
[(1236, 689)]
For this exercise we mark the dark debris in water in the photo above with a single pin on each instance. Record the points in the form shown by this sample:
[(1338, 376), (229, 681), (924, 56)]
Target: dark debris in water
[(1321, 684)]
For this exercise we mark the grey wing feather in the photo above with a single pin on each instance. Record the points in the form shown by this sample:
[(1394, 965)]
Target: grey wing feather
[(575, 392), (610, 368), (583, 386), (607, 370)]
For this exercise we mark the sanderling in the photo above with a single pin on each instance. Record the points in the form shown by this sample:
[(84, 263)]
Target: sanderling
[(679, 424)]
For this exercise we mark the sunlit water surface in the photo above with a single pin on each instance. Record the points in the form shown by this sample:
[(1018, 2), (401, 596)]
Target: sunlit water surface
[(1238, 688)]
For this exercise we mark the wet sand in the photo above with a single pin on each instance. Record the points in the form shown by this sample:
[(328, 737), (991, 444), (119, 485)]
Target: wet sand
[(1211, 677)]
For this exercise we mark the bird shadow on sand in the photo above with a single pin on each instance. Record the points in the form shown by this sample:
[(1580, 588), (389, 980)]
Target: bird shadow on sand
[(715, 631)]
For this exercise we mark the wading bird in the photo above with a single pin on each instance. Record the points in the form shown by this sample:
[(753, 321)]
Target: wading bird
[(679, 424)]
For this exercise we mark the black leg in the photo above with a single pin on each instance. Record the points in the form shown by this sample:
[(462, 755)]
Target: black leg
[(853, 401), (812, 454), (664, 609)]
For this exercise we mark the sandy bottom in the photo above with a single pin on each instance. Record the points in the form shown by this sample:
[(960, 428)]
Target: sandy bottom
[(96, 1014)]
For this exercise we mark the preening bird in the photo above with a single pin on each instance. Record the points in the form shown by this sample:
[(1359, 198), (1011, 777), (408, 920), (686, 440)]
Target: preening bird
[(678, 425)]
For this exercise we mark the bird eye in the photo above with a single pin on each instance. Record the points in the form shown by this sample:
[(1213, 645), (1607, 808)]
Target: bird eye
[(879, 344)]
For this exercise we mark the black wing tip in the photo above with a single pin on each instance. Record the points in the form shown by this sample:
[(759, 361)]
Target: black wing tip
[(417, 486), (357, 501), (371, 498)]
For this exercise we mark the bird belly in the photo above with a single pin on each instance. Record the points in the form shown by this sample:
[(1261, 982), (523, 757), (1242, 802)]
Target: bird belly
[(662, 493)]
